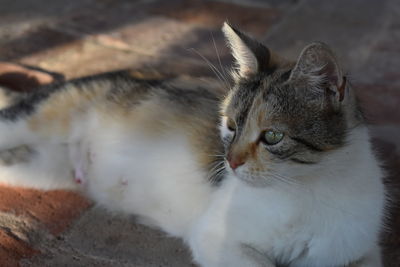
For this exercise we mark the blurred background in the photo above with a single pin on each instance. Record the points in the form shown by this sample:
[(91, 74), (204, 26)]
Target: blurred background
[(47, 41)]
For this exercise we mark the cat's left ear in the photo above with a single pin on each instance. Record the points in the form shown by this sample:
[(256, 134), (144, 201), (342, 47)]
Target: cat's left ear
[(251, 56), (318, 68)]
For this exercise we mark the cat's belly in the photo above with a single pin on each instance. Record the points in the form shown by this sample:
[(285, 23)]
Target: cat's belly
[(157, 178)]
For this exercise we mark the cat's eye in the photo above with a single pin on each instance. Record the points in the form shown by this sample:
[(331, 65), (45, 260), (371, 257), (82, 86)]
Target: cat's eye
[(231, 125), (272, 137)]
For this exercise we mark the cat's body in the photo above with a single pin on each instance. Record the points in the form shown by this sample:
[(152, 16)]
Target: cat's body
[(152, 148), (132, 150)]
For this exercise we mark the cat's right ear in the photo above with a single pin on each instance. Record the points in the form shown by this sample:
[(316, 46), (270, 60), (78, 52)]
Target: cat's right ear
[(251, 56)]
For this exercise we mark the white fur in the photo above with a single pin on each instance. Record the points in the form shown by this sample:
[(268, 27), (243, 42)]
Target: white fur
[(50, 168), (14, 133), (332, 219), (223, 129), (155, 178)]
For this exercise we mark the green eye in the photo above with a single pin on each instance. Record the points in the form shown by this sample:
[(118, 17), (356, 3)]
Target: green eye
[(272, 137)]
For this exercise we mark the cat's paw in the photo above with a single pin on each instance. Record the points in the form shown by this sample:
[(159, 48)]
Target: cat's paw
[(214, 249)]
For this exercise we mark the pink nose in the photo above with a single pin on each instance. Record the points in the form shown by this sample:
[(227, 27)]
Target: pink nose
[(234, 163)]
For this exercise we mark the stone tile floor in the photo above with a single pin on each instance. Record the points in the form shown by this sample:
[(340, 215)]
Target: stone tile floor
[(78, 38)]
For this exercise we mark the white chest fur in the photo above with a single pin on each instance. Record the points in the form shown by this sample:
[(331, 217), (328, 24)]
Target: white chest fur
[(332, 220)]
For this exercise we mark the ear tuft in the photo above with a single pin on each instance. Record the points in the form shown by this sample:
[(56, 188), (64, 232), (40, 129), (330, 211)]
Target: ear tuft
[(250, 55)]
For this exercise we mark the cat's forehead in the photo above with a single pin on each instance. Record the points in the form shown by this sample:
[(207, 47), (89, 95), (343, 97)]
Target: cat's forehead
[(272, 92)]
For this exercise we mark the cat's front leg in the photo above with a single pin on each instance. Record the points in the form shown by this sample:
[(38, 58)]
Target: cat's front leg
[(216, 249)]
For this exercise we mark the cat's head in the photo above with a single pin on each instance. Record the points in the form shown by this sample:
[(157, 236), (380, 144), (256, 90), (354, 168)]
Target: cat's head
[(282, 114)]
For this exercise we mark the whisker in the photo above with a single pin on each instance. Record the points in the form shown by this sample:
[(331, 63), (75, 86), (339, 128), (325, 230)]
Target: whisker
[(318, 197), (278, 177), (216, 172), (286, 178), (287, 181), (219, 58), (213, 68), (216, 166), (217, 155)]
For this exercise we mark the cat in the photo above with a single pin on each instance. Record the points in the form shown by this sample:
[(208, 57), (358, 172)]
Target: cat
[(277, 172)]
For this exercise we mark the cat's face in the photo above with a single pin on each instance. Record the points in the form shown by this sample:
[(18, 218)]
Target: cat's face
[(281, 116)]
